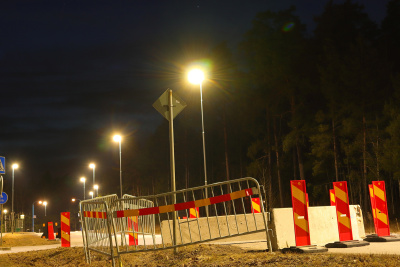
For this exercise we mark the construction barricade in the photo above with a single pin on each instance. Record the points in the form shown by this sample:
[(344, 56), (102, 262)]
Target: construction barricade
[(380, 214), (300, 220), (65, 229), (225, 210), (255, 205), (344, 219), (98, 230), (332, 197)]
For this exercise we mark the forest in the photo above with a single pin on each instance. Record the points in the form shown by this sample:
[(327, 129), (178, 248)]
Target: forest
[(288, 104)]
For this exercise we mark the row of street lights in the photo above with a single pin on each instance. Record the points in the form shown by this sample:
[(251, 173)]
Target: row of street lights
[(116, 138)]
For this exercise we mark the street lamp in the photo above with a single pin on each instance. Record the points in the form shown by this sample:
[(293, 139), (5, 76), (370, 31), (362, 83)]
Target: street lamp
[(14, 166), (196, 76), (91, 193), (96, 187), (117, 138), (93, 166), (33, 214), (45, 206), (83, 180)]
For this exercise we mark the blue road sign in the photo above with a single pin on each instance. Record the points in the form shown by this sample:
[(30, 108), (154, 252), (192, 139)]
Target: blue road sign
[(2, 165), (3, 198)]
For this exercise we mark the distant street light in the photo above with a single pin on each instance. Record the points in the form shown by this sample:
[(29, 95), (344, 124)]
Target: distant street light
[(83, 180), (96, 187), (14, 166), (91, 193), (117, 138), (93, 166), (45, 206), (196, 76), (33, 214)]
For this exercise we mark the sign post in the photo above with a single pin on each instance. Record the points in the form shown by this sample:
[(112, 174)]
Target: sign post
[(169, 106)]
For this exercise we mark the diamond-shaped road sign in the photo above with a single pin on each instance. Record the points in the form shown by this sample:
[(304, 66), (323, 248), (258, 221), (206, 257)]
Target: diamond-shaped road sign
[(162, 105), (2, 165)]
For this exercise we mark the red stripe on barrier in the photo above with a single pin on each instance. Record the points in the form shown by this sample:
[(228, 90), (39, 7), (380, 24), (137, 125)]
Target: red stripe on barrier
[(149, 211), (219, 199), (184, 205)]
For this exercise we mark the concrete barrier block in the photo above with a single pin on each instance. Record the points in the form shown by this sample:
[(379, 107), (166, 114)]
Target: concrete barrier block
[(322, 223)]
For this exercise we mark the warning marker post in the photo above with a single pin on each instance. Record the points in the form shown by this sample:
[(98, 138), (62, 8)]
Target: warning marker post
[(255, 205), (377, 192), (300, 219), (65, 229), (343, 219)]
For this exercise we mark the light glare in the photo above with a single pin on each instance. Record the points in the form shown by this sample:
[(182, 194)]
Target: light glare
[(117, 138), (196, 76)]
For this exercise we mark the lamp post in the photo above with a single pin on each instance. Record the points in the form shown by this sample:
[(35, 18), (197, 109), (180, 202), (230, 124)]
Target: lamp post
[(196, 76), (117, 138), (83, 180), (45, 206), (74, 200), (5, 220), (91, 194), (14, 166), (93, 166), (96, 187), (33, 214)]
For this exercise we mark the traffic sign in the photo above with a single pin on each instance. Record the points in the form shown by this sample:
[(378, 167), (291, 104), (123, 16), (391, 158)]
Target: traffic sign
[(162, 104), (2, 165), (3, 198)]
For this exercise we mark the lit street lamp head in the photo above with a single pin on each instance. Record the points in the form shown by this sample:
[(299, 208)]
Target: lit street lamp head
[(92, 165), (196, 76), (15, 166), (83, 179), (117, 138), (95, 187)]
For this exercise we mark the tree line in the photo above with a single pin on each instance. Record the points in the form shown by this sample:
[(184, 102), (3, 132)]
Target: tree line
[(289, 104)]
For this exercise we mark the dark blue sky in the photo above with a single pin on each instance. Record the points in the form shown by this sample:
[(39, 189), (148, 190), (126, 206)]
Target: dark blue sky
[(74, 72)]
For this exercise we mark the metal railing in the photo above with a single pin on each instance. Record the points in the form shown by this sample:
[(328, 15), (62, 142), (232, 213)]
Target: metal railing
[(225, 212)]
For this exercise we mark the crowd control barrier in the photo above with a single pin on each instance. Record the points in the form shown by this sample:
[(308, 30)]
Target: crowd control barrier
[(224, 209)]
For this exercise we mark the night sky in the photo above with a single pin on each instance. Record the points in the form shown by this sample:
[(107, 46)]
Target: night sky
[(73, 73)]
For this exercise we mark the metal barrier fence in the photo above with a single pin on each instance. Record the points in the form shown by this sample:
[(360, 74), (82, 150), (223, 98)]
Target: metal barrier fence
[(224, 208), (98, 231)]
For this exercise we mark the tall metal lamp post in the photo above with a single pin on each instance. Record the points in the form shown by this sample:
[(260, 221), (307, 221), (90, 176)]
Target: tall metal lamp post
[(45, 206), (117, 138), (83, 180), (33, 214), (93, 166), (196, 76), (96, 187), (14, 166)]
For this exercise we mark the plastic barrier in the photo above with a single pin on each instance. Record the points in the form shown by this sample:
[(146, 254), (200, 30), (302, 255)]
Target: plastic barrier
[(332, 197), (382, 218), (50, 230), (65, 229), (194, 213), (300, 212), (343, 211), (255, 205)]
